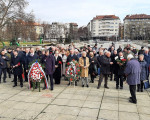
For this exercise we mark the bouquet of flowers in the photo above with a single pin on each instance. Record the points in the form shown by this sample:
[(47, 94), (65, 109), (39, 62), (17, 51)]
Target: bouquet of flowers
[(121, 61), (73, 71)]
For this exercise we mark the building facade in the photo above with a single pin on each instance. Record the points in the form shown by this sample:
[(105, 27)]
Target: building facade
[(137, 27), (104, 27)]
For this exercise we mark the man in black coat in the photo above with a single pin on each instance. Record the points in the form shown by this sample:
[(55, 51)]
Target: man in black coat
[(30, 58), (72, 56), (16, 64), (25, 56), (3, 65), (105, 69)]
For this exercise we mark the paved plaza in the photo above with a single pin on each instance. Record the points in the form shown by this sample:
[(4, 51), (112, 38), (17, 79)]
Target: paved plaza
[(72, 103)]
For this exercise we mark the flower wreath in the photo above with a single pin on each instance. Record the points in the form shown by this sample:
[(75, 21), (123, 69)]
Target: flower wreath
[(73, 71)]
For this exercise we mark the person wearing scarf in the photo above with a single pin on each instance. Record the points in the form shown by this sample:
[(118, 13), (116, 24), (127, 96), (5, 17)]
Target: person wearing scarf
[(84, 63)]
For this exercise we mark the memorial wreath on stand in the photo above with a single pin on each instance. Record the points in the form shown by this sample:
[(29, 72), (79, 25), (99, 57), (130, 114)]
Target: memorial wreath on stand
[(73, 71), (36, 75)]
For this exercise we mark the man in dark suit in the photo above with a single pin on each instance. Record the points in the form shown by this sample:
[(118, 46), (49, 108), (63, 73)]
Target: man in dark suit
[(3, 65), (30, 58), (16, 64)]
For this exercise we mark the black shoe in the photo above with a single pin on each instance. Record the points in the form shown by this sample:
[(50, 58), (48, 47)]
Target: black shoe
[(87, 86), (69, 84), (76, 84), (131, 101), (130, 98), (117, 87), (44, 88), (12, 81), (51, 89), (138, 90), (21, 86), (14, 85), (141, 90), (98, 87), (4, 81), (121, 87), (107, 87), (82, 85)]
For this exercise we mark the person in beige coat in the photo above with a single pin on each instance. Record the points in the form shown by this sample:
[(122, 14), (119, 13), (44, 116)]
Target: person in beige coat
[(84, 63)]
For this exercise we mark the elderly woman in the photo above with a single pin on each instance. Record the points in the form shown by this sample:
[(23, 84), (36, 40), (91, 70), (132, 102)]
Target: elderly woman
[(144, 72), (58, 63), (84, 63), (92, 67)]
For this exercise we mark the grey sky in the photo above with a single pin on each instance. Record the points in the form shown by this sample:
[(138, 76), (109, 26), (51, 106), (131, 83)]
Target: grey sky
[(82, 11)]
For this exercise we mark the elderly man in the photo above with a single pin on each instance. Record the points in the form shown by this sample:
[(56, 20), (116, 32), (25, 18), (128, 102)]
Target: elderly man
[(132, 72), (84, 63), (105, 69)]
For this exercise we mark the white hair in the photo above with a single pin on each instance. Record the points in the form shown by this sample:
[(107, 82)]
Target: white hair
[(130, 56), (83, 52)]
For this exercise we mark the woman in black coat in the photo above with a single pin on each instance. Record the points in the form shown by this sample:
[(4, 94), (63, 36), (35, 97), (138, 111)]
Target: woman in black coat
[(92, 67), (58, 63)]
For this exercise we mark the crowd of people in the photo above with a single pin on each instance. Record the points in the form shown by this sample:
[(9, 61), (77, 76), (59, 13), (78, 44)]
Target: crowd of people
[(122, 64)]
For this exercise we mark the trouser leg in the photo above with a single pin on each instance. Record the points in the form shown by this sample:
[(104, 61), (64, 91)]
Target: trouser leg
[(86, 79), (117, 81), (142, 85), (106, 80), (83, 81), (121, 81), (15, 80), (21, 80), (51, 82), (133, 92), (4, 72), (100, 80)]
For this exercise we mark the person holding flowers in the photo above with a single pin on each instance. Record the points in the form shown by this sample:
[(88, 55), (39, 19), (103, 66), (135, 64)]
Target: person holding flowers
[(16, 64), (84, 63), (58, 63), (120, 67)]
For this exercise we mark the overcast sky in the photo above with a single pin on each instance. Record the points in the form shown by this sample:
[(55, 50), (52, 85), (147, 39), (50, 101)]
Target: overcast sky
[(82, 11)]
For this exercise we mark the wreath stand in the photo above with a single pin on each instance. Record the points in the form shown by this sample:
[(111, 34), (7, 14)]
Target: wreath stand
[(38, 85)]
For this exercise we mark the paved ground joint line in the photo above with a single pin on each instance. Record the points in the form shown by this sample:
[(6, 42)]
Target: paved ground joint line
[(101, 104)]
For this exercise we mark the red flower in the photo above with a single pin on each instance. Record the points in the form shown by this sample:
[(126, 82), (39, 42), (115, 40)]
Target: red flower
[(71, 73), (73, 60), (60, 62), (71, 79), (79, 65), (68, 63), (123, 60), (76, 73), (70, 68), (18, 64), (78, 70)]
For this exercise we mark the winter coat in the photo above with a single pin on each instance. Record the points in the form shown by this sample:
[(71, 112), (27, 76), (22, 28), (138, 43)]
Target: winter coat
[(84, 71), (132, 71), (105, 67), (144, 70), (14, 61)]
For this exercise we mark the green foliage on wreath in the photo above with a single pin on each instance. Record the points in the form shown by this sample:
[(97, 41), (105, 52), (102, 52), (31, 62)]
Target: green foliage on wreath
[(73, 71)]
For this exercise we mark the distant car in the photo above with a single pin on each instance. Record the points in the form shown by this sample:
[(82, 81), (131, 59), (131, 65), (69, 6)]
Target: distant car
[(121, 40), (128, 40), (91, 41)]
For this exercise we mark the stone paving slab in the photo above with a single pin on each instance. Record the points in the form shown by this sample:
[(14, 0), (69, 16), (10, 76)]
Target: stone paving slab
[(72, 103)]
